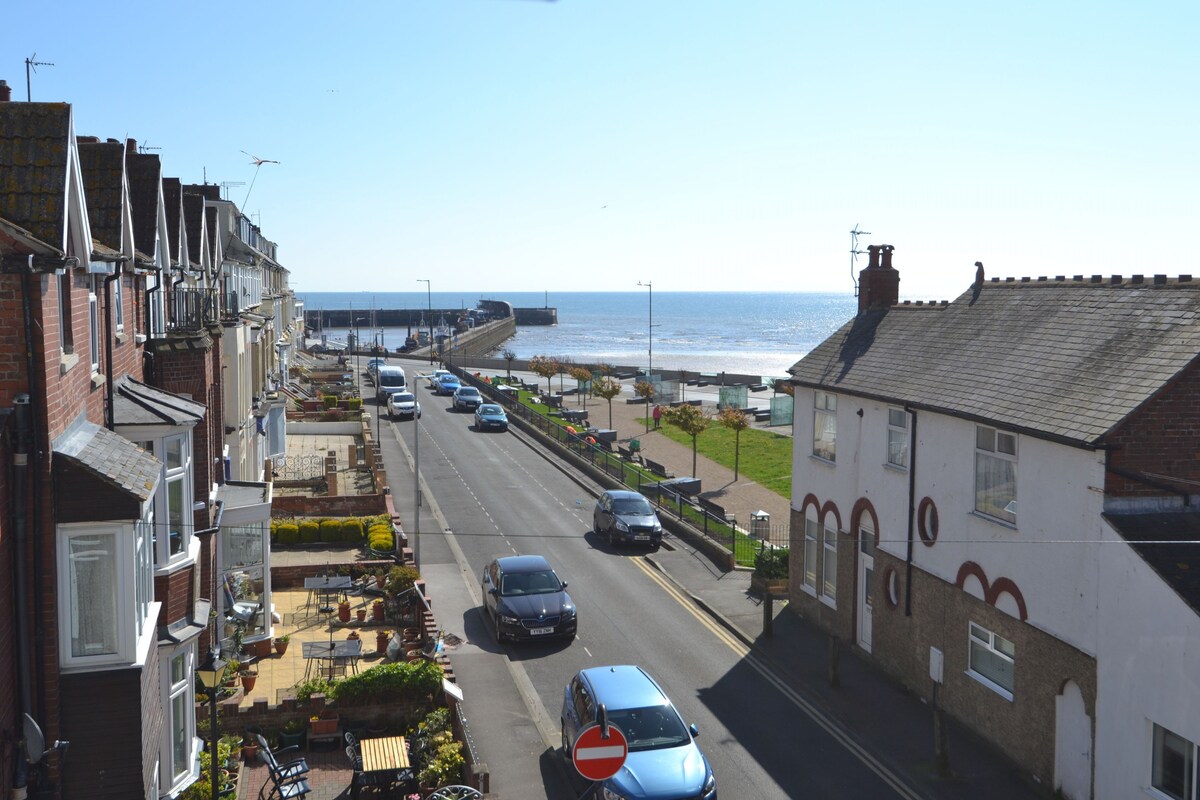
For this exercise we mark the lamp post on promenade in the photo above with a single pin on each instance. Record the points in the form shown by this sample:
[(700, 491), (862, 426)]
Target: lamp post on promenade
[(357, 350), (429, 298), (650, 328)]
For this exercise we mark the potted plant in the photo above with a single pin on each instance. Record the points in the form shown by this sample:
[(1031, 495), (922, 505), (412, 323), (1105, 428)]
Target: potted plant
[(382, 638), (250, 748), (376, 611), (249, 678), (362, 613), (344, 611), (292, 733), (281, 643), (770, 574), (322, 725)]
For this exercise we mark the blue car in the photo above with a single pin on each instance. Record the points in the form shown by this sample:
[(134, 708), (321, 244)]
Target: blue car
[(447, 385), (490, 416), (664, 762)]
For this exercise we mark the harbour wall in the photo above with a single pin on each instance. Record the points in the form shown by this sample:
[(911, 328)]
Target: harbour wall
[(321, 318)]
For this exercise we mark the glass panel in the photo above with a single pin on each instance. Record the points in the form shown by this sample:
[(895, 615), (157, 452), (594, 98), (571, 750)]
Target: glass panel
[(985, 438), (1173, 764), (175, 513), (868, 587), (93, 565), (866, 541), (991, 665), (180, 736), (1006, 443), (242, 546), (996, 487), (897, 418), (898, 448), (829, 567), (1005, 646), (174, 452), (825, 435), (178, 669)]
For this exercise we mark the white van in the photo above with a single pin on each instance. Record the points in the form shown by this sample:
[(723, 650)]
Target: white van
[(387, 381)]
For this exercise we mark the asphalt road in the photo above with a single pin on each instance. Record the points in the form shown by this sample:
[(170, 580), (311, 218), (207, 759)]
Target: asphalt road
[(492, 494)]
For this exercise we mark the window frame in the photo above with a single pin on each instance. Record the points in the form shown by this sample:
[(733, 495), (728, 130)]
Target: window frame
[(829, 562), (93, 324), (118, 306), (811, 527), (824, 426), (182, 691), (66, 333), (989, 644), (984, 455), (181, 475), (898, 433)]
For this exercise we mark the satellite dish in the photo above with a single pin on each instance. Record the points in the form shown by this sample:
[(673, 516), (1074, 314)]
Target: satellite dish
[(35, 742)]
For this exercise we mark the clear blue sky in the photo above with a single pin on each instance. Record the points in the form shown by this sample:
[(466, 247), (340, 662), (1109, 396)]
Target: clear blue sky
[(579, 145)]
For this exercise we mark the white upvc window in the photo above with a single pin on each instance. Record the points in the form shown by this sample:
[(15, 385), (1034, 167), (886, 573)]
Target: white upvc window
[(177, 754), (1173, 765), (825, 425), (897, 438), (996, 473), (829, 564), (991, 660), (93, 324), (173, 501), (118, 305), (107, 585), (812, 533)]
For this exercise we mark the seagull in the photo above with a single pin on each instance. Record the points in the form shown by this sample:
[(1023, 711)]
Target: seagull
[(258, 162)]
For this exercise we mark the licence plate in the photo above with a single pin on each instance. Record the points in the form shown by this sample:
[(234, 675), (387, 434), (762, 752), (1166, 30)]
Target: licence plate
[(642, 537), (540, 631)]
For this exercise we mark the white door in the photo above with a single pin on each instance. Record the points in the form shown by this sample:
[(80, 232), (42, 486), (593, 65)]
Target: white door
[(866, 570), (1072, 744)]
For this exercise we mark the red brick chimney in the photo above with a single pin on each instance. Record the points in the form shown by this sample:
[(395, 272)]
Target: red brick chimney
[(878, 284), (130, 147), (5, 92)]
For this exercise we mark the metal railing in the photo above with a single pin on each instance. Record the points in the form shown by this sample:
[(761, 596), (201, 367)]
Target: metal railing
[(192, 309)]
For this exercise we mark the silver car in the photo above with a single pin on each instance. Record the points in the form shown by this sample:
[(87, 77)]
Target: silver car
[(624, 516)]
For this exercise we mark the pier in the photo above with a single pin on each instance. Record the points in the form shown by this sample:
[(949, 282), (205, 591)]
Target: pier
[(488, 310)]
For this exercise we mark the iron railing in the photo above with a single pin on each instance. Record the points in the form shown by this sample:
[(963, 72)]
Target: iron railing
[(192, 309)]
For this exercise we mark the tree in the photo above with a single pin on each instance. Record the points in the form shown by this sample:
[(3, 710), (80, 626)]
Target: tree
[(564, 366), (737, 421), (582, 375), (689, 419), (509, 356), (546, 367), (645, 390), (607, 387)]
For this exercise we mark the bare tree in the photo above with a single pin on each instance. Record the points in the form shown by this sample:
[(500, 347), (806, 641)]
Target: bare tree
[(607, 387), (509, 355), (737, 421), (689, 419)]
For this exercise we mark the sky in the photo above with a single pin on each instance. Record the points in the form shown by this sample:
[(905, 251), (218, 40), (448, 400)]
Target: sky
[(587, 145)]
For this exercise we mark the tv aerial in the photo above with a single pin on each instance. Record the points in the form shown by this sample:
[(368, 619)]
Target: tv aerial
[(855, 253), (33, 63)]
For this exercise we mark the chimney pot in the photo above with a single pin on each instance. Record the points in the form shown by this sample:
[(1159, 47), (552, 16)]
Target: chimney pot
[(887, 256), (873, 259), (1185, 278), (1137, 279), (130, 147), (1160, 280), (878, 286), (5, 92)]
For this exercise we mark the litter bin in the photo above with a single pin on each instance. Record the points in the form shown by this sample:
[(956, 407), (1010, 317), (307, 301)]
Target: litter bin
[(760, 525), (635, 445)]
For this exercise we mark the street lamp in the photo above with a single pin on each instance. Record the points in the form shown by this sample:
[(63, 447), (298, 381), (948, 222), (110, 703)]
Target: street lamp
[(357, 350), (429, 298), (210, 674), (417, 483), (650, 328)]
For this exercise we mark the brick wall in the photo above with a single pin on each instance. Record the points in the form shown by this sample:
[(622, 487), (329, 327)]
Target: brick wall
[(174, 591), (1161, 438), (363, 505)]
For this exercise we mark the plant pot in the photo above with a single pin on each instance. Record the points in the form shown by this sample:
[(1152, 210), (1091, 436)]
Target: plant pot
[(281, 646), (289, 739), (248, 681), (382, 638), (377, 611), (250, 751), (261, 648), (362, 614), (344, 612), (320, 727)]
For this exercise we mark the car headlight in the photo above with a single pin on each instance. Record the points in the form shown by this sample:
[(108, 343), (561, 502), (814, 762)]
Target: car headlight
[(710, 783), (658, 527), (621, 526), (608, 794), (568, 613), (507, 620)]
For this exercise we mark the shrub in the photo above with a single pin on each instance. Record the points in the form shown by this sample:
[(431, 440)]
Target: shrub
[(445, 767), (352, 530), (330, 401), (310, 532), (307, 688), (288, 533), (379, 537), (391, 683), (333, 415), (771, 563), (402, 577), (354, 404), (331, 530)]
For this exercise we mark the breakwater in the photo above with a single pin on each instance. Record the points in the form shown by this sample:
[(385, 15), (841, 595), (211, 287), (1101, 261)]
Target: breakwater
[(367, 319)]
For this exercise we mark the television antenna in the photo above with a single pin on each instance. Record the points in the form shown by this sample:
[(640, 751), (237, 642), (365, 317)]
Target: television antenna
[(257, 162), (227, 185), (33, 63), (855, 253), (145, 148)]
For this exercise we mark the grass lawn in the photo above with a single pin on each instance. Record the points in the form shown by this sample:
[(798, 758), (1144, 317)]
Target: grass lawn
[(766, 458)]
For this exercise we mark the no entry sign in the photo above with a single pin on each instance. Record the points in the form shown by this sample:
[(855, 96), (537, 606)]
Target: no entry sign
[(597, 758)]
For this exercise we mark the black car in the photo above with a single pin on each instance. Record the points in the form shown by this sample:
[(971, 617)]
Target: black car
[(526, 600), (625, 516)]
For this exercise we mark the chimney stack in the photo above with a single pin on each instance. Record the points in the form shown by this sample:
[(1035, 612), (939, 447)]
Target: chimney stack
[(5, 92), (878, 284), (131, 147)]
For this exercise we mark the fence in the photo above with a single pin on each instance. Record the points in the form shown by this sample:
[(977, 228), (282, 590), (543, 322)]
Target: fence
[(668, 499)]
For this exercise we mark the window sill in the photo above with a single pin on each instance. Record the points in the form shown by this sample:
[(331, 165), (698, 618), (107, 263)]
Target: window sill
[(98, 380), (890, 467), (995, 687), (66, 361), (994, 520), (811, 591), (829, 601), (822, 460), (121, 337)]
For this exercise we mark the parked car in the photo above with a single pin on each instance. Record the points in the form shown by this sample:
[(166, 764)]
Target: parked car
[(435, 376), (490, 416), (663, 760), (526, 600), (467, 398), (403, 405), (374, 364), (387, 381), (447, 384), (625, 516)]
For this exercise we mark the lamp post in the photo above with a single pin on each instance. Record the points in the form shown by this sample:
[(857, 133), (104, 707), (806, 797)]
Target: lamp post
[(210, 674), (650, 329), (429, 299), (357, 350), (417, 484)]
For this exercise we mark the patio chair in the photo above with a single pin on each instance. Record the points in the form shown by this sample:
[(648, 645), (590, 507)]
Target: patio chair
[(361, 778), (280, 761), (283, 788)]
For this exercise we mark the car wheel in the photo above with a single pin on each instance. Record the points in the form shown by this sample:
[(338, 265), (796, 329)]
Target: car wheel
[(566, 746), (612, 540)]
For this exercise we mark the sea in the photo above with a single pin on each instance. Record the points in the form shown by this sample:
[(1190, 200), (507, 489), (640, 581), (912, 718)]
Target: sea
[(749, 333)]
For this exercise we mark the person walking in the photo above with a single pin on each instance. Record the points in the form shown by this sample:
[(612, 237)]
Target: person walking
[(657, 416)]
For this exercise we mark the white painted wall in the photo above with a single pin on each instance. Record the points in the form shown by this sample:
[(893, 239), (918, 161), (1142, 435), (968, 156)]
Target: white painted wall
[(1148, 670)]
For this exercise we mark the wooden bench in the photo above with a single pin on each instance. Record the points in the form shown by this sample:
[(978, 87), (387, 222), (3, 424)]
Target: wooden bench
[(715, 510), (552, 400), (758, 387), (658, 469), (624, 452)]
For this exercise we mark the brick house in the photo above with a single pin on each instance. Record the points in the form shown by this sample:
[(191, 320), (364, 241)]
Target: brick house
[(119, 523), (919, 426)]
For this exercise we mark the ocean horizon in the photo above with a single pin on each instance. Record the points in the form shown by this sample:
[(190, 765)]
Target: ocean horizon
[(751, 333)]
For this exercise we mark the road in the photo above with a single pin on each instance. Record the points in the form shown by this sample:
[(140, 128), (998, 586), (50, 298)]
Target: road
[(495, 495)]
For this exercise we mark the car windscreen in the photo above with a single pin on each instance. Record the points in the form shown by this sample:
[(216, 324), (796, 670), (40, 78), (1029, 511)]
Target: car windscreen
[(518, 583), (650, 728), (403, 397), (490, 410), (390, 380), (633, 507), (468, 391)]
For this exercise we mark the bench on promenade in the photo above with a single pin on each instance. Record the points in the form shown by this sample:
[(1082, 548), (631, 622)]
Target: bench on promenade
[(677, 403), (758, 387), (624, 452), (716, 511), (552, 400), (574, 415), (762, 416), (658, 469), (529, 387)]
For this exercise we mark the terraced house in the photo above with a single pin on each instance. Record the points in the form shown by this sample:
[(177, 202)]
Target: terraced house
[(996, 496), (121, 518)]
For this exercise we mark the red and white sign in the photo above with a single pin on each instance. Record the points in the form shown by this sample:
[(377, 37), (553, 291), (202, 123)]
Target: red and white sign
[(597, 758)]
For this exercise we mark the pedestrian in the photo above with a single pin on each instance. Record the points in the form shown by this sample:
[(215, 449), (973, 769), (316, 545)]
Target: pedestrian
[(657, 415)]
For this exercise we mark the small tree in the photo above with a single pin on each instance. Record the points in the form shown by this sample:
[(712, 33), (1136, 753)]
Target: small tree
[(546, 367), (582, 375), (607, 387), (565, 365), (737, 421), (689, 419), (509, 355), (645, 390)]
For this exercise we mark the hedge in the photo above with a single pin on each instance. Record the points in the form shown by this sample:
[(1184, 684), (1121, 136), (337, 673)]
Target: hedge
[(310, 532), (287, 533), (352, 530), (331, 530)]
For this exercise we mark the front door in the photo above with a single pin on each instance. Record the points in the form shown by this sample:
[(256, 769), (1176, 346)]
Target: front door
[(866, 584)]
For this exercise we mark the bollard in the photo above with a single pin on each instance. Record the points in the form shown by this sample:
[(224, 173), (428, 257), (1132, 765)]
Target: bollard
[(768, 616)]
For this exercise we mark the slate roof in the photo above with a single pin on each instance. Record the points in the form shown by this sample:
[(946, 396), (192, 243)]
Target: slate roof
[(1064, 359), (34, 141), (113, 459), (137, 403), (173, 199), (1176, 562), (145, 176), (103, 167)]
